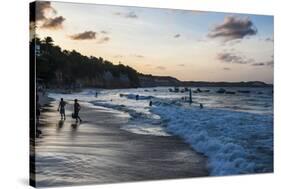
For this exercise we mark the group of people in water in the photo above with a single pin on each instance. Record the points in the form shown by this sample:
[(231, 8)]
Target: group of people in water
[(76, 106)]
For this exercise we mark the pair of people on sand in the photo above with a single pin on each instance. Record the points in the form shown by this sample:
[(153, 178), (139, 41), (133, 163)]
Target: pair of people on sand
[(77, 108)]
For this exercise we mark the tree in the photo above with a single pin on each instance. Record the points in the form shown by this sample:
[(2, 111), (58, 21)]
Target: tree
[(72, 66), (48, 41)]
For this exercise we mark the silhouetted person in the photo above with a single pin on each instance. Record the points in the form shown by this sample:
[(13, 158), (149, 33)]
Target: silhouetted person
[(96, 94), (61, 108), (77, 108), (137, 97), (201, 106), (150, 103)]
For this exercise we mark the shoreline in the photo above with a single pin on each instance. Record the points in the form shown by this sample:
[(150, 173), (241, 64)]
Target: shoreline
[(113, 155), (44, 99)]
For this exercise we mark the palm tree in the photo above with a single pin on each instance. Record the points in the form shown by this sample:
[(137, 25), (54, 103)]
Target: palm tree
[(48, 41), (47, 44)]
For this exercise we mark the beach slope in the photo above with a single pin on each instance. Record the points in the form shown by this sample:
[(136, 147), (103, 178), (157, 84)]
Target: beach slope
[(98, 151)]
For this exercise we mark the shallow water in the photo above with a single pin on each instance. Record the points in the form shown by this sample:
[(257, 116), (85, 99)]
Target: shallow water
[(98, 151), (235, 131)]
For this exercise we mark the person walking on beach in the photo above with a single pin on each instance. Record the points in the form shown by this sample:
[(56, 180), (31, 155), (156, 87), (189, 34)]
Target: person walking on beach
[(61, 108), (77, 108)]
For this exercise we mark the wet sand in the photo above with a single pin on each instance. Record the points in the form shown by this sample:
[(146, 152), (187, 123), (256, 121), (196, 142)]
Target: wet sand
[(98, 151)]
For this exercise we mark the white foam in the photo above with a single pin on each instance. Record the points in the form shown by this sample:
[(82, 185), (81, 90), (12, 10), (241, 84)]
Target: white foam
[(229, 139), (146, 129)]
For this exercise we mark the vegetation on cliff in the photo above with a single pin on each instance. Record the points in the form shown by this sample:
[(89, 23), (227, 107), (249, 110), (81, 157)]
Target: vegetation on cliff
[(62, 68)]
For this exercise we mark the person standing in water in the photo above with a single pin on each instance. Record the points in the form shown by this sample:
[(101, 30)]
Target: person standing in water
[(77, 108), (61, 108)]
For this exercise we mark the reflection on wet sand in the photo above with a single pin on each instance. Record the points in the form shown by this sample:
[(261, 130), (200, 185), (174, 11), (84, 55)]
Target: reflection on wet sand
[(98, 151), (60, 125)]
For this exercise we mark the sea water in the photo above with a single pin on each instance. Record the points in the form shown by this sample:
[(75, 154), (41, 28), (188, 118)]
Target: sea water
[(235, 131)]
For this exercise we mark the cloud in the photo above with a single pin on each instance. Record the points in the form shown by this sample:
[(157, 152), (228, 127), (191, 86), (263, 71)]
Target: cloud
[(227, 69), (99, 38), (87, 35), (201, 40), (177, 35), (228, 57), (53, 23), (118, 56), (42, 9), (130, 14), (233, 42), (269, 39), (258, 64), (161, 68), (181, 65), (137, 55), (104, 32), (233, 28), (103, 40), (270, 63), (266, 63)]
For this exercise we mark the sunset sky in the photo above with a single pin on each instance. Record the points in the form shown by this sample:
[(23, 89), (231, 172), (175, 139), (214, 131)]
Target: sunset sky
[(188, 45)]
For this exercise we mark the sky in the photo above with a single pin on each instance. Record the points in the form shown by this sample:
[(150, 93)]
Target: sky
[(188, 45)]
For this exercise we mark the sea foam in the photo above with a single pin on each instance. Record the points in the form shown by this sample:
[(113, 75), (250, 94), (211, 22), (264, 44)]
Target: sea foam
[(231, 140)]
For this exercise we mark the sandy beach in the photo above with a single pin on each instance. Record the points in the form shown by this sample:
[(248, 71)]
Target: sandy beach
[(98, 151)]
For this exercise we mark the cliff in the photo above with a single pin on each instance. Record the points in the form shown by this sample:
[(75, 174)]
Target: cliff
[(154, 81)]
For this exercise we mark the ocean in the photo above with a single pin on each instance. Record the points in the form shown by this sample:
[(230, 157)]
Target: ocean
[(234, 131)]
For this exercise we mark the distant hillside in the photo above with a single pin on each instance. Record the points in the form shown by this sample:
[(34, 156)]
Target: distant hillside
[(225, 84), (153, 81)]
